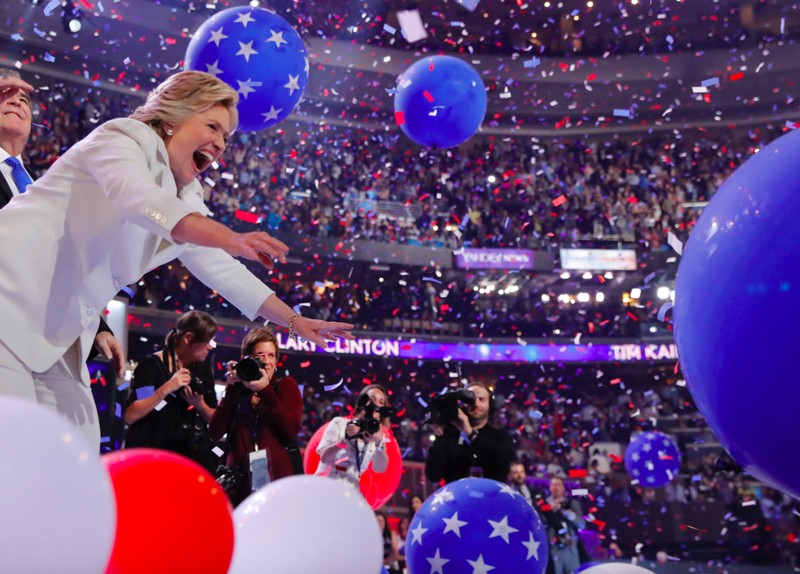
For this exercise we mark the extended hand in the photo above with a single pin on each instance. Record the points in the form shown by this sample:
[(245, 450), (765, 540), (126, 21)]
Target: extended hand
[(258, 246), (320, 332)]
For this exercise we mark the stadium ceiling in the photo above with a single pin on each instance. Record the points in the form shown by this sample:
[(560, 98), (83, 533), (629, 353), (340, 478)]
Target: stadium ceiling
[(654, 58)]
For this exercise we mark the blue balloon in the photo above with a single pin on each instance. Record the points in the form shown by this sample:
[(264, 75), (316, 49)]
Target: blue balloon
[(737, 314), (476, 525), (652, 459), (440, 101), (257, 53)]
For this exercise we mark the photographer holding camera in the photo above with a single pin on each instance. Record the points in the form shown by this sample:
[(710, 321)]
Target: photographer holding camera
[(172, 394), (348, 446), (465, 444), (261, 417)]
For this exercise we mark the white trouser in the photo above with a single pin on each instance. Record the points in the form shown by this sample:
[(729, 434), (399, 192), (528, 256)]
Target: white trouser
[(59, 388)]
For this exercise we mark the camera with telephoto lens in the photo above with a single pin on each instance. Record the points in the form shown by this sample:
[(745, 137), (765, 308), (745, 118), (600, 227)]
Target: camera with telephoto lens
[(443, 409), (249, 368), (368, 423)]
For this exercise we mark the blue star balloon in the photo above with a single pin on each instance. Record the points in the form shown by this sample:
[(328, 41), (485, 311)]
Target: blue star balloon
[(440, 102), (737, 313), (474, 526), (257, 53), (652, 459)]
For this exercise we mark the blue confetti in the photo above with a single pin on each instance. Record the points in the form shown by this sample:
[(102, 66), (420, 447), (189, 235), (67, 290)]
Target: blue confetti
[(51, 6), (532, 63)]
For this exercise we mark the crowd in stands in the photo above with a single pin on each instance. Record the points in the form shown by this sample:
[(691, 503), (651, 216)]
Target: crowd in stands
[(307, 180), (325, 181)]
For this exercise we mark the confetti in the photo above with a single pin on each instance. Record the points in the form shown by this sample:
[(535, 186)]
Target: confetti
[(411, 25)]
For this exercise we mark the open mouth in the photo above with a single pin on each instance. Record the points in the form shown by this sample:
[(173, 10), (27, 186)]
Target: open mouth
[(202, 159)]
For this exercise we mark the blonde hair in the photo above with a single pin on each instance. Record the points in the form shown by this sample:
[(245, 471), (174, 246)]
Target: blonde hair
[(182, 95)]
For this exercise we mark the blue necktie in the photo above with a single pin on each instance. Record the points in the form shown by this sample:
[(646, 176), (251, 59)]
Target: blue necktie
[(21, 177)]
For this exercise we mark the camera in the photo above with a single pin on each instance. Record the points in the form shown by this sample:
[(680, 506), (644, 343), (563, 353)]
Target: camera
[(196, 385), (443, 409), (193, 434), (228, 477), (249, 368), (368, 423)]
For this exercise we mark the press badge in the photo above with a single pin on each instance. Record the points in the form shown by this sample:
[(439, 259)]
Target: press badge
[(259, 469)]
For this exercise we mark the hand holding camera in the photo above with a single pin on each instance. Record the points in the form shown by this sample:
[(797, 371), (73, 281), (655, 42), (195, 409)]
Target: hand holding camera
[(194, 394), (180, 380), (450, 409), (369, 423), (251, 372)]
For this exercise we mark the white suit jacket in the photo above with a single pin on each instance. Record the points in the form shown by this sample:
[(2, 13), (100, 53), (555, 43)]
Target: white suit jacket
[(99, 219)]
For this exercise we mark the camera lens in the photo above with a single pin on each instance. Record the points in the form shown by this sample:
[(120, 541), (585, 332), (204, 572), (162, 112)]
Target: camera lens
[(249, 369)]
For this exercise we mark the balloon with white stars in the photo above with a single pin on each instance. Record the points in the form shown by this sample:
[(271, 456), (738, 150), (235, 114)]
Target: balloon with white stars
[(476, 526), (652, 459), (257, 53)]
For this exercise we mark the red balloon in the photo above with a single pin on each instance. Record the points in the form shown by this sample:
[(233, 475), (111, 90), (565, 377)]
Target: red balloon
[(172, 516), (376, 487)]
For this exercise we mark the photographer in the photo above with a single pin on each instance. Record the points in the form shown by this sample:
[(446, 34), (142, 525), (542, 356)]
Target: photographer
[(465, 444), (261, 416), (563, 518), (348, 446), (172, 394)]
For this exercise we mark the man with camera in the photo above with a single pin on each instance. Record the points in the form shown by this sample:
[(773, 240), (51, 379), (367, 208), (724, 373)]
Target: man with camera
[(261, 416), (348, 446), (172, 395), (465, 444)]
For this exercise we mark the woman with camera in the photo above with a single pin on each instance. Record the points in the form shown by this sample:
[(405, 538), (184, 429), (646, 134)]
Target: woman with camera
[(349, 445), (172, 394), (261, 417)]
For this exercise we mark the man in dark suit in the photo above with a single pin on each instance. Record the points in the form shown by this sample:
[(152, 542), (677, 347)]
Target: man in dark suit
[(15, 129)]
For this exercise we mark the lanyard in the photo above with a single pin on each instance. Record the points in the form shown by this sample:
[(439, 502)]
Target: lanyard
[(359, 454)]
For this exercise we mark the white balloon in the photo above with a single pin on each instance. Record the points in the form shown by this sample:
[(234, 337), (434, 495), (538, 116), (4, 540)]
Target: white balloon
[(616, 568), (306, 524), (57, 509)]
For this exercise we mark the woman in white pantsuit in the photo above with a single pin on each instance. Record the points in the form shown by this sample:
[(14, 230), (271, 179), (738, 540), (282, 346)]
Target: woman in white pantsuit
[(119, 203)]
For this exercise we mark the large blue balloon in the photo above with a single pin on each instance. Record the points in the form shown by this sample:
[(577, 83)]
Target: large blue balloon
[(737, 316), (476, 525), (440, 101), (260, 55), (652, 459)]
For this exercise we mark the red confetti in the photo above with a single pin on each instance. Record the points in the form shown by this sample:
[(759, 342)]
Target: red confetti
[(737, 76), (577, 473), (427, 95), (559, 200), (399, 118), (247, 216)]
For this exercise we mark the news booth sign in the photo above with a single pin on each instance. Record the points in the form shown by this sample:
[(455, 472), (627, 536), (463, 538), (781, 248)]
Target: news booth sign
[(484, 352), (468, 258)]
